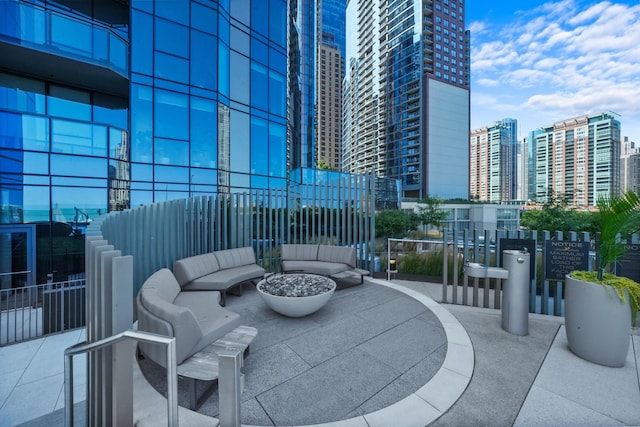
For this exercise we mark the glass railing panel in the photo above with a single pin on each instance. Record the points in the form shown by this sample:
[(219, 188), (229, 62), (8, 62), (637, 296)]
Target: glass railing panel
[(30, 25)]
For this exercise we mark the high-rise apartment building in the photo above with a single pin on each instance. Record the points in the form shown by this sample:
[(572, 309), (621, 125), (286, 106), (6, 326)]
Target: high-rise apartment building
[(493, 166), (629, 166), (330, 73), (107, 104), (406, 99), (578, 158)]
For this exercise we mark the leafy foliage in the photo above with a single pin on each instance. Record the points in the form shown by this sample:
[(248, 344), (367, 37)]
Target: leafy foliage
[(556, 215), (430, 213), (618, 216), (395, 223)]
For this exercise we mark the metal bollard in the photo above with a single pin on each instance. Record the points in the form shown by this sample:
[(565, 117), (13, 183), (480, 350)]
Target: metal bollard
[(230, 384), (515, 297)]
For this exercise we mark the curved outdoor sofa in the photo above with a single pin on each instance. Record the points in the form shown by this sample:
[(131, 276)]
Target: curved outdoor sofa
[(337, 262), (200, 325)]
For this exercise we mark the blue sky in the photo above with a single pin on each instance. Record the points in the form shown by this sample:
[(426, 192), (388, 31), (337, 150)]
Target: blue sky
[(541, 62)]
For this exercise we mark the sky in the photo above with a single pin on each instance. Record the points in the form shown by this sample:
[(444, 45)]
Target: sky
[(542, 62)]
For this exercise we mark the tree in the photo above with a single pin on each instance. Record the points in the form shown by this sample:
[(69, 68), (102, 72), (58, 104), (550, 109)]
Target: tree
[(430, 213), (395, 223), (556, 215)]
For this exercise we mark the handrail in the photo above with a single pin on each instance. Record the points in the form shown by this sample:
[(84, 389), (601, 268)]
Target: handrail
[(15, 272), (85, 347)]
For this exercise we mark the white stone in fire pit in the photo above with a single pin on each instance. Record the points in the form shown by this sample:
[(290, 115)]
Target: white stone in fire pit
[(296, 295)]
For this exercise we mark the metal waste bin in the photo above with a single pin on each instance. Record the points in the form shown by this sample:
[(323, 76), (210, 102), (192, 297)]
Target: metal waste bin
[(515, 296)]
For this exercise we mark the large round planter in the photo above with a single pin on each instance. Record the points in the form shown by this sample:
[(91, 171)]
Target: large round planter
[(597, 322), (297, 306)]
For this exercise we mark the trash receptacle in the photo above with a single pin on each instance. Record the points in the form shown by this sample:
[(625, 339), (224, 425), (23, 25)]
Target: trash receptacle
[(515, 296)]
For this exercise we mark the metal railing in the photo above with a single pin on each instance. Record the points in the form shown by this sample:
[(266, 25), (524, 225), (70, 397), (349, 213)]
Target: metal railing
[(84, 347), (34, 311)]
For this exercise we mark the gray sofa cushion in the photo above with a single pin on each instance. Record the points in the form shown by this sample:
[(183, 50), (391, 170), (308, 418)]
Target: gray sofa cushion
[(341, 254), (298, 252), (315, 267), (185, 326), (230, 258), (166, 284), (223, 279), (188, 269), (214, 321)]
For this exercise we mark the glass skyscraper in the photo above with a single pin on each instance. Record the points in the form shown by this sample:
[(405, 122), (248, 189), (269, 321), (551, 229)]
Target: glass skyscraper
[(105, 105)]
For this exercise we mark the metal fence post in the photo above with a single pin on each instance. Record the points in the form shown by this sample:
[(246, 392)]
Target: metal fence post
[(229, 387)]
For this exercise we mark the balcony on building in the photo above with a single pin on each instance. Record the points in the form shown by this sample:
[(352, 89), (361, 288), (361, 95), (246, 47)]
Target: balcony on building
[(82, 49)]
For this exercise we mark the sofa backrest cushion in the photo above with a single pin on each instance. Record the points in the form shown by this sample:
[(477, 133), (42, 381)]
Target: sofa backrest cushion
[(194, 267), (230, 258), (165, 283), (184, 323), (342, 254), (299, 252)]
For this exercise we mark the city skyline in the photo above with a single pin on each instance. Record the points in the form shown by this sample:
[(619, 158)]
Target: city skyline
[(542, 62)]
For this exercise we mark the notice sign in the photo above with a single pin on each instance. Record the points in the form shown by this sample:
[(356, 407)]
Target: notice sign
[(562, 257), (629, 264)]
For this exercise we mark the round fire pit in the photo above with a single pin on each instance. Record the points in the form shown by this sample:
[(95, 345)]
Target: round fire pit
[(296, 295)]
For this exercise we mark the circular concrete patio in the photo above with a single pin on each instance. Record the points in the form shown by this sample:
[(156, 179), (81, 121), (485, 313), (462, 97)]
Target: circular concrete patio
[(378, 354)]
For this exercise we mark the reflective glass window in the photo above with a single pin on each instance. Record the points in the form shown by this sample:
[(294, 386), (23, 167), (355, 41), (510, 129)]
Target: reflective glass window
[(277, 94), (69, 103), (223, 69), (36, 163), (278, 21), (203, 133), (259, 86), (118, 144), (203, 177), (171, 114), (223, 29), (204, 18), (171, 152), (240, 41), (259, 51), (259, 146), (73, 165), (110, 110), (259, 12), (171, 67), (277, 150), (70, 35), (240, 10), (176, 10), (204, 54), (141, 172), (24, 132), (21, 94), (140, 198), (239, 142), (11, 161), (277, 61), (35, 203), (89, 200), (141, 43), (141, 123), (240, 78), (78, 138), (171, 37), (170, 174)]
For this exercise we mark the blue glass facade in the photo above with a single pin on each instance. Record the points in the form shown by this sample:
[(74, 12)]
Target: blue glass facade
[(105, 105)]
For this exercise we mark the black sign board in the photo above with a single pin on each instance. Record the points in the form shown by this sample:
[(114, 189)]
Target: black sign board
[(562, 257), (629, 264), (528, 245)]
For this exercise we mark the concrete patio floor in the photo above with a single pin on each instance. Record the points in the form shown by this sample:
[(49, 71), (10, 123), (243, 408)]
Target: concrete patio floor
[(523, 381)]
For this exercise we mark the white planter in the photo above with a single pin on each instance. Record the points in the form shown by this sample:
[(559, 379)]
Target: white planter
[(597, 322), (296, 306)]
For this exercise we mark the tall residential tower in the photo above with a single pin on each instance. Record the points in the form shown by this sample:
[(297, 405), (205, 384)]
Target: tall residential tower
[(407, 94)]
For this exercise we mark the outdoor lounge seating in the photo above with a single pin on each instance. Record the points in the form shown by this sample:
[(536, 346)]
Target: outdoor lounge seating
[(200, 325), (337, 262), (218, 271)]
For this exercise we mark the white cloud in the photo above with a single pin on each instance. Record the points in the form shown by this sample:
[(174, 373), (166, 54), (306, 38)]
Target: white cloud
[(559, 60)]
